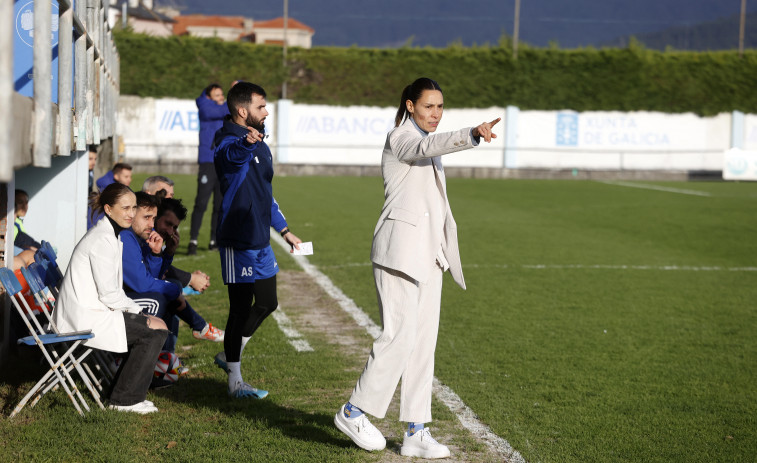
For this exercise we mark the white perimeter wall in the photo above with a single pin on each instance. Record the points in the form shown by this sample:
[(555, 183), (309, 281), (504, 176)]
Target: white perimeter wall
[(621, 141), (57, 202), (166, 130)]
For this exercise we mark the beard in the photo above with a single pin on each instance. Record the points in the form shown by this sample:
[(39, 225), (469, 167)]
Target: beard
[(256, 124), (144, 234)]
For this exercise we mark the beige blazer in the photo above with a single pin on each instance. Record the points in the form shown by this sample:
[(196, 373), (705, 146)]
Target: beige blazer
[(91, 295), (416, 220)]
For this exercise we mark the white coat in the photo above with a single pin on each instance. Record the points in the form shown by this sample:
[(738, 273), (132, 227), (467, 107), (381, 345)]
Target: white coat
[(91, 295), (416, 219)]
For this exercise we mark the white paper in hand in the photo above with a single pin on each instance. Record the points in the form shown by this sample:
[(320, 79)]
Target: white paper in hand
[(306, 249)]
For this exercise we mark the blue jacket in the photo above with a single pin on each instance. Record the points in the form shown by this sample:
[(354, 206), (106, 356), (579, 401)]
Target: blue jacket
[(104, 181), (245, 172), (137, 276), (211, 116)]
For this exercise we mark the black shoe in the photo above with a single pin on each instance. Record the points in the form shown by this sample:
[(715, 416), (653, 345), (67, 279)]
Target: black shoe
[(192, 249), (212, 246)]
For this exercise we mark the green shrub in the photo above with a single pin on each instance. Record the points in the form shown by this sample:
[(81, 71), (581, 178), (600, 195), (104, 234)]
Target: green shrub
[(629, 79)]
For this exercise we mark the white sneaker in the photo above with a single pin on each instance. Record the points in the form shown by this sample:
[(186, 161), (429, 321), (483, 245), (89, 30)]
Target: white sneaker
[(210, 333), (142, 408), (421, 444), (361, 431)]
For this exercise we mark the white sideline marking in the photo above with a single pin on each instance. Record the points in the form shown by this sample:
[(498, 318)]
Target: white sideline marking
[(646, 186), (293, 336), (446, 395), (285, 325), (685, 268)]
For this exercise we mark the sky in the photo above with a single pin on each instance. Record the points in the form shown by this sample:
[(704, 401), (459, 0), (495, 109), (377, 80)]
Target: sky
[(393, 23)]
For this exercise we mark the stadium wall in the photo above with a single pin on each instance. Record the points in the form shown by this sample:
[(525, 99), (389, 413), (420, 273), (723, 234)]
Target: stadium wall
[(161, 134)]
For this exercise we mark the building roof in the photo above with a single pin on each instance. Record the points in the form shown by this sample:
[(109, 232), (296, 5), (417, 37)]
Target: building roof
[(278, 23), (185, 21)]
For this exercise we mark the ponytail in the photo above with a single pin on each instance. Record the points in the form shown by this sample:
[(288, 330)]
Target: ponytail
[(402, 110), (413, 92)]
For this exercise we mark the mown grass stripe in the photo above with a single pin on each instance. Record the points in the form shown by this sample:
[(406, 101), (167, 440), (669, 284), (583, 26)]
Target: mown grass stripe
[(646, 186)]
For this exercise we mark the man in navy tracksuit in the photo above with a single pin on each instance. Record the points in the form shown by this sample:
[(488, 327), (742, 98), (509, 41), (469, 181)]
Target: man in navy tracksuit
[(244, 166), (145, 262), (211, 110)]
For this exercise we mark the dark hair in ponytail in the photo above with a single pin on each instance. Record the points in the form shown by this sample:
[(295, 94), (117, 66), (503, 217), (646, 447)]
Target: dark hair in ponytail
[(413, 92), (110, 196)]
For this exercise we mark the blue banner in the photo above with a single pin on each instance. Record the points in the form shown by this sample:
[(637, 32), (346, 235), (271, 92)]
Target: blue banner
[(23, 48)]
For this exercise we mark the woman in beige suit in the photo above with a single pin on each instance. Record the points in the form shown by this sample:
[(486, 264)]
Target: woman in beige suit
[(414, 242), (92, 298)]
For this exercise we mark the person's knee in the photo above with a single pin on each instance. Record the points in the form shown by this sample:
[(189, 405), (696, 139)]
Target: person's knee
[(268, 302), (155, 323), (27, 256), (18, 263), (268, 305)]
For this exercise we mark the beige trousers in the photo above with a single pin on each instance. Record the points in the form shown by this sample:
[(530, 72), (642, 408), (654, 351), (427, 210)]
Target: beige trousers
[(410, 318)]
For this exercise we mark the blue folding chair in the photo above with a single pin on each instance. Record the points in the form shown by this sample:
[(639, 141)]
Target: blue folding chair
[(53, 275), (59, 362), (49, 251), (47, 268), (99, 360), (48, 275)]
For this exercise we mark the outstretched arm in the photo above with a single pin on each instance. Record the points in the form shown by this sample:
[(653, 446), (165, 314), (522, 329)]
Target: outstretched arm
[(409, 146), (485, 130), (239, 150)]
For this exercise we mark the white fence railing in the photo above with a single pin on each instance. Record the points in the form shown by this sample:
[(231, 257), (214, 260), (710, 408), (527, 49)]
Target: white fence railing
[(88, 66)]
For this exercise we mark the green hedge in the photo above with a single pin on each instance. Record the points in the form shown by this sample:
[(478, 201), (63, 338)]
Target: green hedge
[(631, 79)]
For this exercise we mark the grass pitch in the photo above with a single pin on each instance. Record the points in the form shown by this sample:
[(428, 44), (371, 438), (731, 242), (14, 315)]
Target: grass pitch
[(601, 323)]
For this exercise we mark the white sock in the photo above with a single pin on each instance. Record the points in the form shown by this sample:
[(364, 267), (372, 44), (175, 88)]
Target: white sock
[(235, 372), (205, 330), (245, 339)]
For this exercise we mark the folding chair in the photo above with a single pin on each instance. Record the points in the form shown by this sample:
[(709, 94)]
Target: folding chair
[(47, 257), (58, 374), (100, 361), (47, 248), (53, 275)]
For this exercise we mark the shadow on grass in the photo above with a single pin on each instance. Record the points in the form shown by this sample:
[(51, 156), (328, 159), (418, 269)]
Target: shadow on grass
[(18, 375), (210, 394)]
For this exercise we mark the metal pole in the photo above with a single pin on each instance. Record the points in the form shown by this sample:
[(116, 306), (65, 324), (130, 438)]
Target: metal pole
[(65, 67), (286, 76), (80, 80), (100, 18), (742, 25), (91, 70), (516, 29), (43, 92), (6, 94)]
